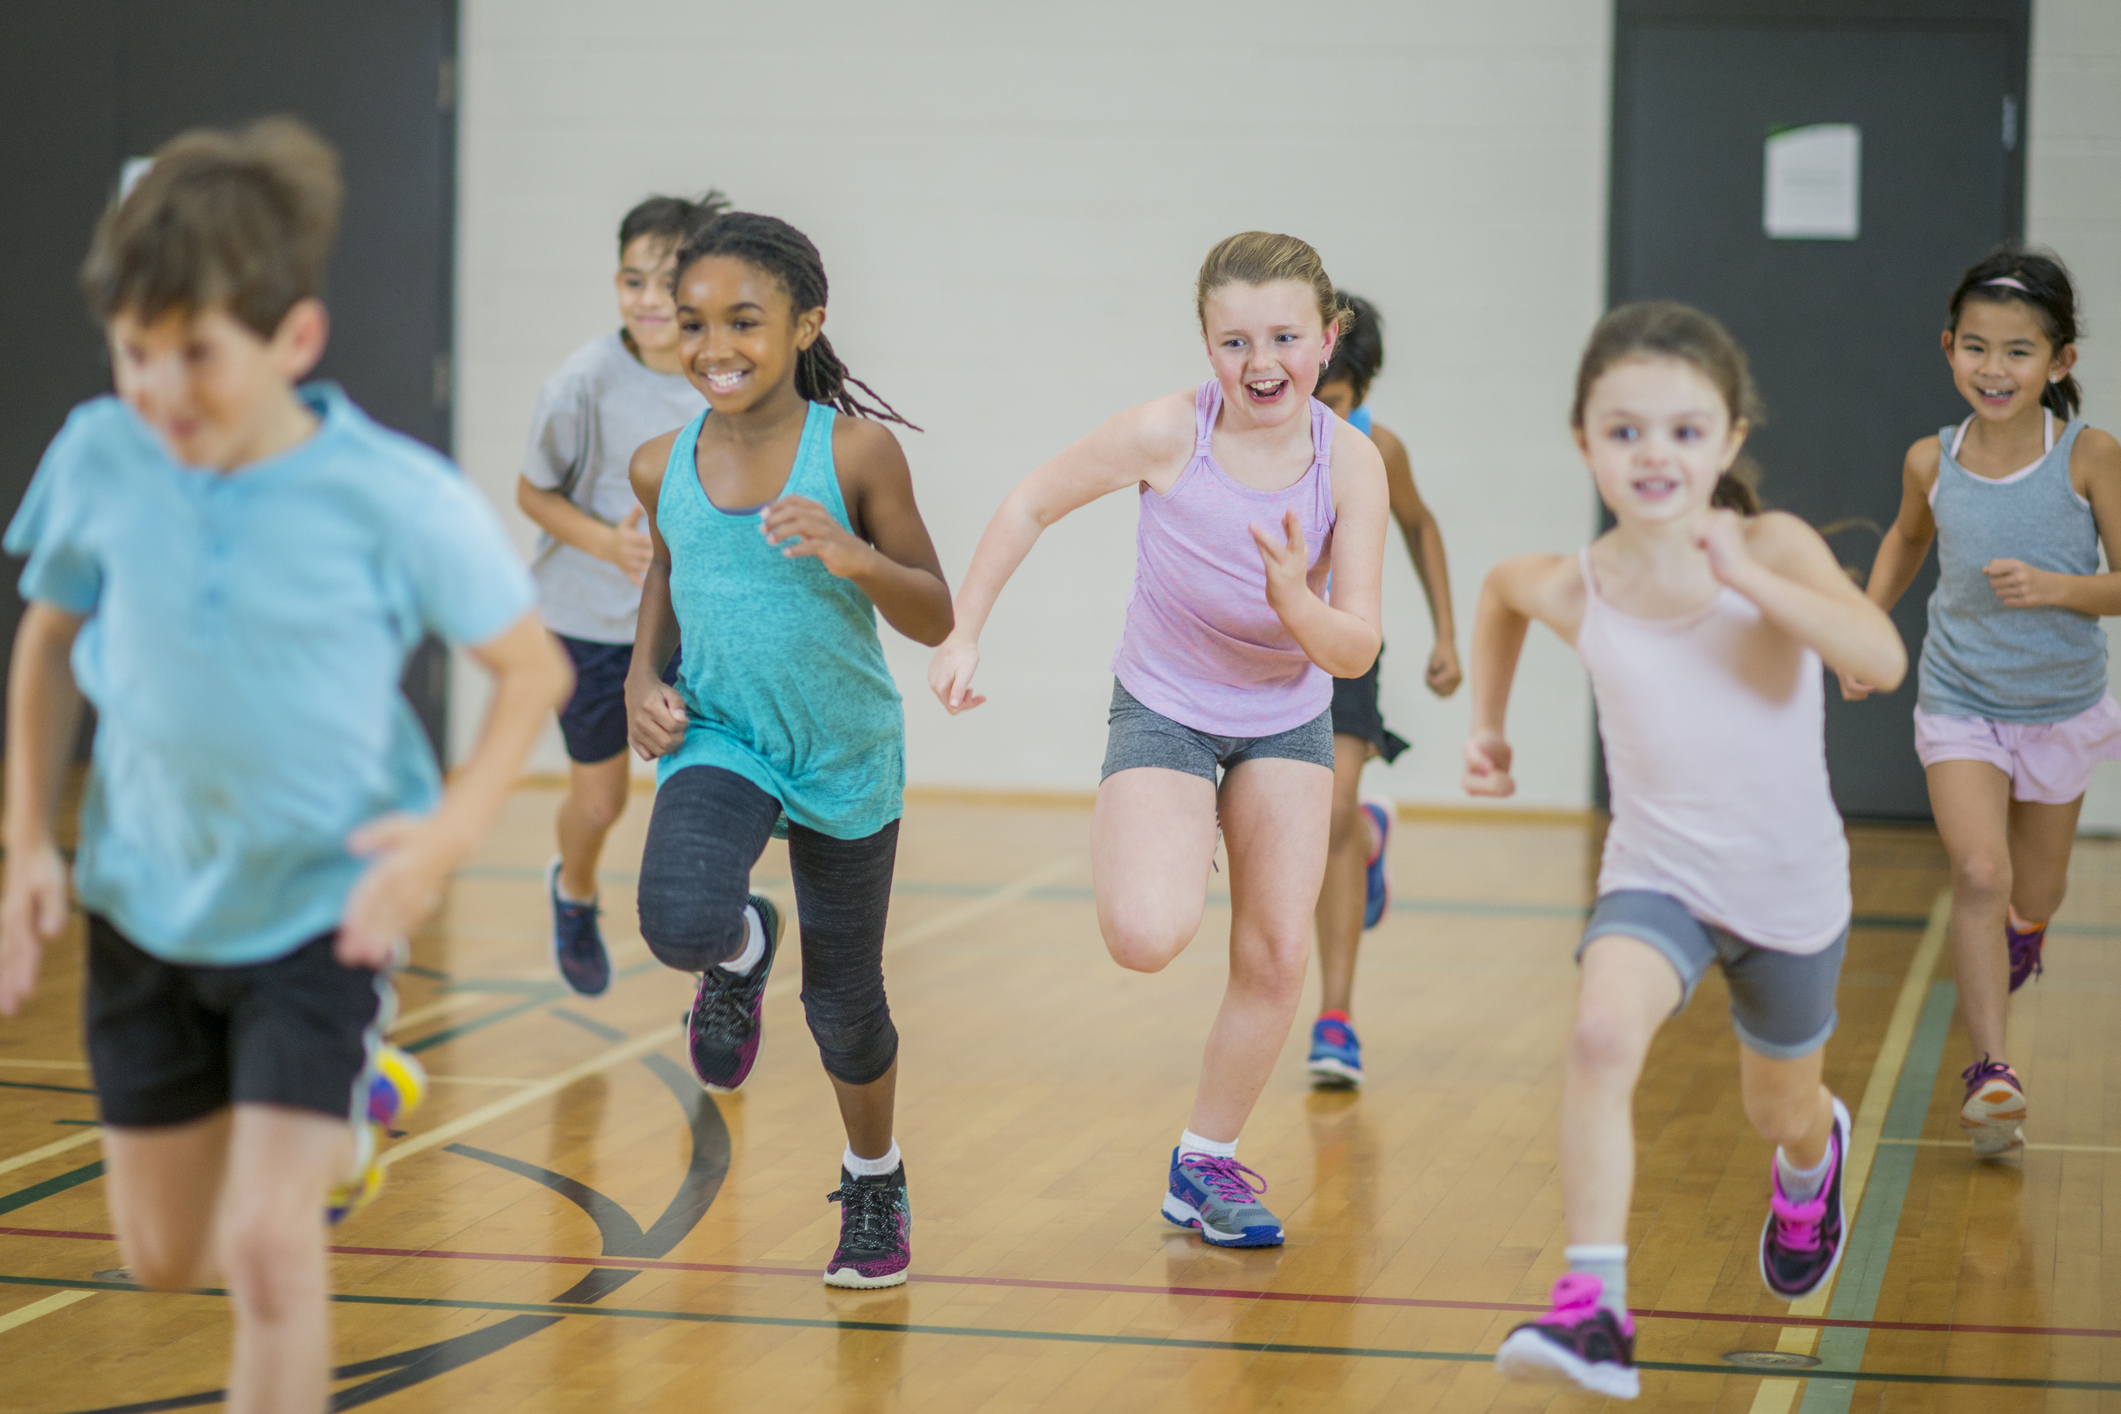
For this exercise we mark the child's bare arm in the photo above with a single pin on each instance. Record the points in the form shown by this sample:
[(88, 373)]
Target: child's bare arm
[(1424, 539), (43, 716), (2095, 471), (1785, 568), (1517, 591), (655, 714), (623, 545)]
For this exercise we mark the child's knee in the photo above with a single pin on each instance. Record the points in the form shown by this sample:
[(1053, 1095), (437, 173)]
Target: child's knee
[(1982, 874), (1604, 1042), (267, 1259), (857, 1044), (687, 932), (1145, 938), (1348, 829), (165, 1266)]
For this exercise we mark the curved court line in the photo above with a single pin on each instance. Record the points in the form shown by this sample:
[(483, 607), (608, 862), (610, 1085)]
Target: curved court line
[(1159, 1342)]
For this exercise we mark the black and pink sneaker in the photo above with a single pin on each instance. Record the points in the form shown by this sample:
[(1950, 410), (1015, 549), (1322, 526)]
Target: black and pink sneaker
[(1579, 1342), (2025, 951), (876, 1231), (1800, 1245), (722, 1029)]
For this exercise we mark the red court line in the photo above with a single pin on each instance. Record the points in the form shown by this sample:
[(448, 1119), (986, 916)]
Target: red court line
[(1129, 1289)]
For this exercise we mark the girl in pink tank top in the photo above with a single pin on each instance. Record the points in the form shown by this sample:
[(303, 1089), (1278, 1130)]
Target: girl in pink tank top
[(1703, 624), (1251, 494)]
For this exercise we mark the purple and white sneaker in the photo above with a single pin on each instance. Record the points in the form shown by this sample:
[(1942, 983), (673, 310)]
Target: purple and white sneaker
[(1216, 1197), (876, 1231), (1800, 1244), (1579, 1342), (2025, 951), (722, 1029)]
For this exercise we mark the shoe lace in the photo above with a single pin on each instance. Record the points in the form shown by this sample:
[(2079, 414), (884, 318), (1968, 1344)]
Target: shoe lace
[(1575, 1299), (1797, 1224), (720, 1008), (1982, 1069), (868, 1212), (1227, 1179)]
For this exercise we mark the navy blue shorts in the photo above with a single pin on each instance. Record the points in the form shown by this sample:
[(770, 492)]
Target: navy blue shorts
[(594, 720)]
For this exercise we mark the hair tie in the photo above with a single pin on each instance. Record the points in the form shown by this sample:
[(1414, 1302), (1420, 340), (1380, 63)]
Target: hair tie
[(2011, 280)]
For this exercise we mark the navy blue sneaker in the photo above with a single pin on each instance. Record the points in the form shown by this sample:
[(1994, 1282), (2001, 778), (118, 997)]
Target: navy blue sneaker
[(722, 1029), (1216, 1197), (1376, 884), (577, 943), (1336, 1055)]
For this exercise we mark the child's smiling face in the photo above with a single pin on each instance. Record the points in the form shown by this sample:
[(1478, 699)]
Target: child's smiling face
[(1268, 346), (643, 285), (738, 332), (1657, 434), (2001, 357)]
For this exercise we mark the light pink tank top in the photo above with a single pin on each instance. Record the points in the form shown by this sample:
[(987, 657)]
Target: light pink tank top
[(1715, 745), (1202, 645)]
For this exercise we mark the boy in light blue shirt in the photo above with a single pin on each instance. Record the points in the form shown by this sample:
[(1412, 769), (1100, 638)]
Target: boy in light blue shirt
[(233, 570)]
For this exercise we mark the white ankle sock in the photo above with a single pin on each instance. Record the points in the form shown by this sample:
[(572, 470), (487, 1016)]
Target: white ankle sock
[(1191, 1143), (1608, 1261), (1802, 1185), (754, 945), (566, 897), (871, 1168)]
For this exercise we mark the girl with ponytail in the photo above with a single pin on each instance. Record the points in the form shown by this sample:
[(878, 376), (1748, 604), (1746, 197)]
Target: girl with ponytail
[(783, 522), (2013, 711)]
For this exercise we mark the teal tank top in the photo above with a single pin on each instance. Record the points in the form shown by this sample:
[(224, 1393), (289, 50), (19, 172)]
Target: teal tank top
[(782, 673)]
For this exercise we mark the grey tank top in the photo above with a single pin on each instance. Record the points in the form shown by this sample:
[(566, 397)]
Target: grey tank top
[(2010, 665)]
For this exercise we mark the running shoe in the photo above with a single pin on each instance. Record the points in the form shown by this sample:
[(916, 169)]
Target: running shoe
[(1800, 1244), (577, 943), (876, 1231), (1336, 1054), (1376, 885), (722, 1029), (1994, 1109), (2025, 951), (1216, 1197), (396, 1085), (1579, 1342)]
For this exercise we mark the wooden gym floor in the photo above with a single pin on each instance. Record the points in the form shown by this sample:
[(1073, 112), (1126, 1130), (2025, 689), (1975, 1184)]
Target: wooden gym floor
[(571, 1224)]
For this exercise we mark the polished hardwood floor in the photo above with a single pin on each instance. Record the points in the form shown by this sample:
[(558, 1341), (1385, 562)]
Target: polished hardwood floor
[(571, 1224)]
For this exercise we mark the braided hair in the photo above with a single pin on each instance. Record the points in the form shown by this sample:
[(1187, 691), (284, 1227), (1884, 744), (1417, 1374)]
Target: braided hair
[(2039, 281), (771, 245)]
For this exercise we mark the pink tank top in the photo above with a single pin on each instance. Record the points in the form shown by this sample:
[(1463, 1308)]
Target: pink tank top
[(1202, 645), (1715, 744)]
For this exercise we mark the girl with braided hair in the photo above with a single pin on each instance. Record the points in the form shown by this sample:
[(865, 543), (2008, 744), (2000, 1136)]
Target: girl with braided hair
[(783, 522)]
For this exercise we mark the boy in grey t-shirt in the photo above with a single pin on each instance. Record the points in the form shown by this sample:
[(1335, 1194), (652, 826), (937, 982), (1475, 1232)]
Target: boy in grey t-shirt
[(615, 392)]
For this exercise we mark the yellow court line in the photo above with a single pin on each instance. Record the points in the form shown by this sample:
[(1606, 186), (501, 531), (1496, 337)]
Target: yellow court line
[(36, 1156), (43, 1064), (1867, 1129), (896, 941), (505, 1080), (59, 1301)]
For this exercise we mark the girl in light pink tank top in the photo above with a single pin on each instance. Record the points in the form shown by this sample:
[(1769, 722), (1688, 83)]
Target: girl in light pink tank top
[(1703, 624), (1252, 494)]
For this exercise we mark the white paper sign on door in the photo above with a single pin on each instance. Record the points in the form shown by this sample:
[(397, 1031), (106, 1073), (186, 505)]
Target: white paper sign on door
[(1814, 183)]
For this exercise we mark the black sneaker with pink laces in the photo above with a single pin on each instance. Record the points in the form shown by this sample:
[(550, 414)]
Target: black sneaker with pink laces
[(1579, 1342)]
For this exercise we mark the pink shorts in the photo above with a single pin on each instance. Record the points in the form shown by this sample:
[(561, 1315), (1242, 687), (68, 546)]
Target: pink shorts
[(2049, 763)]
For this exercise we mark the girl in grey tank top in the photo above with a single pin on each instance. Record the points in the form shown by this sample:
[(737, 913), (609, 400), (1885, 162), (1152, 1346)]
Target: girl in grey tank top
[(2013, 711)]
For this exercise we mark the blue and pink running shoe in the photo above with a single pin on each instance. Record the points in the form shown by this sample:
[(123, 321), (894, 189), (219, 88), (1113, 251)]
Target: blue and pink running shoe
[(1579, 1342), (1335, 1061), (2025, 951), (1376, 884), (1800, 1244), (1216, 1198), (876, 1231)]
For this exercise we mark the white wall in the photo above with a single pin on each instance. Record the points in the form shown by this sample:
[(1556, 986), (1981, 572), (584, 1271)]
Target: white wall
[(2073, 203), (1012, 205)]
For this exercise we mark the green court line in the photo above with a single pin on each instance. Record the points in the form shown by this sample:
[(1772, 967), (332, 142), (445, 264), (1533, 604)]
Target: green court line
[(37, 1192), (1870, 1241), (1159, 1342)]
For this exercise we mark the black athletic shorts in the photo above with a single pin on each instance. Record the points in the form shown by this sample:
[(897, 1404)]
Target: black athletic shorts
[(1356, 713), (169, 1042), (593, 723)]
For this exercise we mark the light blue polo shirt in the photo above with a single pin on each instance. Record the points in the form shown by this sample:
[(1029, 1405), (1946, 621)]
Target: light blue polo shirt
[(244, 639)]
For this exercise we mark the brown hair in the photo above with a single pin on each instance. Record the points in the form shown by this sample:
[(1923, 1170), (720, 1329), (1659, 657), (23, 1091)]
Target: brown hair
[(1668, 329), (1259, 258), (244, 220)]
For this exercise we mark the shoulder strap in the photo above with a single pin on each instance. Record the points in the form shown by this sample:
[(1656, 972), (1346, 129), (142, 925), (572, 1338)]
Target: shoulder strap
[(1322, 420), (1207, 402)]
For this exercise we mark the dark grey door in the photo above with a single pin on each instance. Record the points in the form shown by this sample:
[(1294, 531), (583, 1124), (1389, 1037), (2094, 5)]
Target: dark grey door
[(1842, 333), (85, 84)]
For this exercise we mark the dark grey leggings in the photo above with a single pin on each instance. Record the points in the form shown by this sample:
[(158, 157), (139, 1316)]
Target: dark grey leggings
[(709, 828)]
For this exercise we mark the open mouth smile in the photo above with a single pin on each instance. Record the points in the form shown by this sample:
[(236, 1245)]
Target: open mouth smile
[(1265, 390), (727, 382)]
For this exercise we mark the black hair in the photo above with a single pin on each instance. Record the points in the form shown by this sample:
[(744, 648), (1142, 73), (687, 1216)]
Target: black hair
[(771, 245), (2047, 291), (1360, 354), (670, 218), (1668, 329)]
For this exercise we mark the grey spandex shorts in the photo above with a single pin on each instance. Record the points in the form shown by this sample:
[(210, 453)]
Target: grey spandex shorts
[(1143, 736), (1782, 1004)]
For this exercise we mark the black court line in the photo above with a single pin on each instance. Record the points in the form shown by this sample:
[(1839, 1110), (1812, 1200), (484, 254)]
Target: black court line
[(1155, 1342)]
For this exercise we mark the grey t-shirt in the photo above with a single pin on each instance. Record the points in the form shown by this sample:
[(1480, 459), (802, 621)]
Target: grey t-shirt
[(593, 414)]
